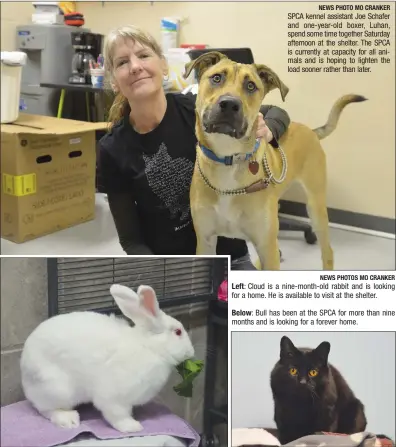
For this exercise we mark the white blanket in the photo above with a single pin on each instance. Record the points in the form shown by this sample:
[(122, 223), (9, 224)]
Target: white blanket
[(252, 436)]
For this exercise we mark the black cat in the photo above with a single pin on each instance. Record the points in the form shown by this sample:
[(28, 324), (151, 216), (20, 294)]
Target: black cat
[(310, 395)]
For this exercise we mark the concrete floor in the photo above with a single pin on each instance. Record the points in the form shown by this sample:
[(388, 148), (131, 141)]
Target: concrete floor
[(352, 250)]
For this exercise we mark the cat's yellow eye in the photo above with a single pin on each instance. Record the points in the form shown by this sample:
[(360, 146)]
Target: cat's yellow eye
[(293, 371), (313, 373)]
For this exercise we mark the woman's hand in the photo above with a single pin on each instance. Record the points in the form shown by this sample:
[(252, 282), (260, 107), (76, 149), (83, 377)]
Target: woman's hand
[(262, 129)]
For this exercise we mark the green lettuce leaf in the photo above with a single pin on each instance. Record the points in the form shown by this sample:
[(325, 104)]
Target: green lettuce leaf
[(188, 370)]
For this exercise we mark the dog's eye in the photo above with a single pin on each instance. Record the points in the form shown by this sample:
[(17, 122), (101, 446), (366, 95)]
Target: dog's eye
[(178, 332), (216, 78), (251, 86)]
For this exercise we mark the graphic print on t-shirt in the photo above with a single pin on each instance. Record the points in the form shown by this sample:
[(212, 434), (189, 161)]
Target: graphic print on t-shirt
[(170, 180)]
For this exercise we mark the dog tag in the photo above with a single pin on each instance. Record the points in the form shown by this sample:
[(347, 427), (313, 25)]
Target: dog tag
[(253, 167)]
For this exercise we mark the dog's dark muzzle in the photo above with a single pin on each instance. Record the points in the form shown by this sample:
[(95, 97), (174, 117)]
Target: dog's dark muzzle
[(226, 117)]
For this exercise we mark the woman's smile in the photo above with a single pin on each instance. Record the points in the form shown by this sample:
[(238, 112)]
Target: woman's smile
[(138, 81)]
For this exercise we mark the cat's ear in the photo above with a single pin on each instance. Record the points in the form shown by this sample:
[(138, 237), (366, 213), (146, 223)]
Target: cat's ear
[(322, 352), (287, 349)]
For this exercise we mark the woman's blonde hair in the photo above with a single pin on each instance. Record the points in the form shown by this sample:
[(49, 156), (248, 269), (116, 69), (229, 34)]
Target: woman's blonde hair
[(120, 103)]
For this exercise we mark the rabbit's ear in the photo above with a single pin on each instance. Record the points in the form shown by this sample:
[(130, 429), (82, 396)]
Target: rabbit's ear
[(148, 300), (127, 300), (141, 307), (150, 309)]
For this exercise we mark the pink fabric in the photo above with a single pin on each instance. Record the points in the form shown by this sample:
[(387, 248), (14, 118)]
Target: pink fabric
[(222, 293)]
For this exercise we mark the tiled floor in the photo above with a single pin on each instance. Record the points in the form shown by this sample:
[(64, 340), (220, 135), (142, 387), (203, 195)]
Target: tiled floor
[(352, 251)]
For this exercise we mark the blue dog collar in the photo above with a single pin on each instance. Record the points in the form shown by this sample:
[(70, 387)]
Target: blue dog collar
[(230, 159)]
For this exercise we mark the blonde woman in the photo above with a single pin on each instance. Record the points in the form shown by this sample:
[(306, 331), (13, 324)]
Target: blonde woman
[(146, 160)]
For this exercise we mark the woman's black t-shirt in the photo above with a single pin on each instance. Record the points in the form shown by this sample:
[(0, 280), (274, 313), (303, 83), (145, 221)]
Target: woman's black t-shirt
[(147, 178)]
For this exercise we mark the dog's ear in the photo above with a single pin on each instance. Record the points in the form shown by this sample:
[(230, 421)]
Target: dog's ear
[(271, 80), (202, 63)]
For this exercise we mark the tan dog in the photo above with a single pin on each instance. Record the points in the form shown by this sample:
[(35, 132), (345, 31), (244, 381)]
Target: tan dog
[(240, 200)]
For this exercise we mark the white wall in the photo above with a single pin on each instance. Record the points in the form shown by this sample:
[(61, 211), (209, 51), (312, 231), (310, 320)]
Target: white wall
[(12, 15), (366, 359)]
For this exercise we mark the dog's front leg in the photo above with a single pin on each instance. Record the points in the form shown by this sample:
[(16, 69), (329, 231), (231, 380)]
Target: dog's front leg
[(206, 244), (264, 237), (205, 231)]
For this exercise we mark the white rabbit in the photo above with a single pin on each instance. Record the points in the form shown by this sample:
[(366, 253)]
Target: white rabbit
[(88, 357)]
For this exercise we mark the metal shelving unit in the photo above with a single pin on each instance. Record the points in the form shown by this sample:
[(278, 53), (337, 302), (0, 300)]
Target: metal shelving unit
[(214, 415)]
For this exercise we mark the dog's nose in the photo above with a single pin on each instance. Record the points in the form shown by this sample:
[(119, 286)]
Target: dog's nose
[(230, 104)]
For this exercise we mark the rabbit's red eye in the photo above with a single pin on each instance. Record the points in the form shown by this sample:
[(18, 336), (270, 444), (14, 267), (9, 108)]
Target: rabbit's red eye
[(178, 331)]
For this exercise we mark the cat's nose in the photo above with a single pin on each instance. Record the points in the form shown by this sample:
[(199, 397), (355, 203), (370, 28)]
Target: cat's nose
[(303, 381)]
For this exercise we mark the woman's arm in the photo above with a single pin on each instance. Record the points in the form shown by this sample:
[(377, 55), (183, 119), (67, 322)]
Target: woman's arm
[(121, 201), (277, 121), (126, 219)]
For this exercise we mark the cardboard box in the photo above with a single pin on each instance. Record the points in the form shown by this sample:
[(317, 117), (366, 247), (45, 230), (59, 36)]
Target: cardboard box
[(48, 168)]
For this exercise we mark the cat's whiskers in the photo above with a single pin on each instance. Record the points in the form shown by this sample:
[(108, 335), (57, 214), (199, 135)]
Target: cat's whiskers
[(311, 389), (313, 393)]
